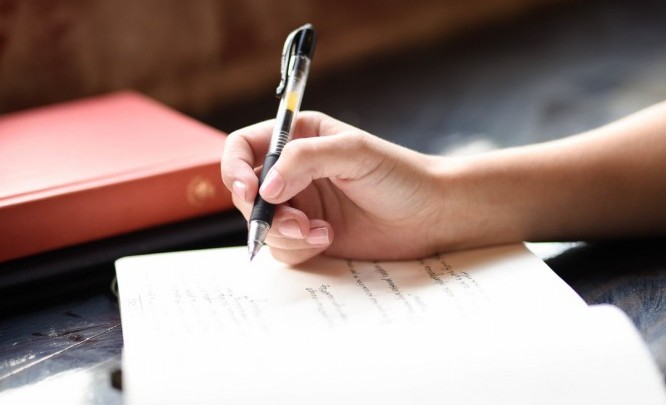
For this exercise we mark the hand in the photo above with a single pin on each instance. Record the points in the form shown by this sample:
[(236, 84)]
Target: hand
[(339, 190), (347, 193)]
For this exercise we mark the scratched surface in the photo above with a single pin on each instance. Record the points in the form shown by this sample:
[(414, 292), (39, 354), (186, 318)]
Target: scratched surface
[(65, 351), (552, 75)]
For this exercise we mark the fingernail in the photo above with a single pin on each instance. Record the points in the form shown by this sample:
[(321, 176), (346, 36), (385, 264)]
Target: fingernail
[(318, 236), (238, 188), (290, 229), (272, 185)]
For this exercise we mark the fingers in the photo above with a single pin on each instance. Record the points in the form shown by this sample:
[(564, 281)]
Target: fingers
[(294, 251), (293, 237), (314, 123), (244, 150), (350, 155)]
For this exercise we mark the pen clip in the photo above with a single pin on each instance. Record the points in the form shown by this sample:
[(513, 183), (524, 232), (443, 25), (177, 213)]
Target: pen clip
[(300, 42), (287, 52)]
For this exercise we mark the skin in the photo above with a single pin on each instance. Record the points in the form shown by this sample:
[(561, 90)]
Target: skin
[(346, 193)]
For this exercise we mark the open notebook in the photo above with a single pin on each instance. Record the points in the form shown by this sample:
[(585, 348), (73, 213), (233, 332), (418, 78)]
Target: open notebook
[(488, 326)]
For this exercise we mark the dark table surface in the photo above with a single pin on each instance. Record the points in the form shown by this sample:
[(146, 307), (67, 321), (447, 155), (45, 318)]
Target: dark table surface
[(551, 74)]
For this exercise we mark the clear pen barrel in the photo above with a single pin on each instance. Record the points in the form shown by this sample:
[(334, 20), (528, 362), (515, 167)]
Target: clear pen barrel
[(290, 103)]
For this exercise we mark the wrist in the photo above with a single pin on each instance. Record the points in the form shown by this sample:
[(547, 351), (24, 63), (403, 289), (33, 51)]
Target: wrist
[(486, 201)]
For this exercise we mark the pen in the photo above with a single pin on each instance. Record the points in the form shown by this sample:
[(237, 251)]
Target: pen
[(295, 65)]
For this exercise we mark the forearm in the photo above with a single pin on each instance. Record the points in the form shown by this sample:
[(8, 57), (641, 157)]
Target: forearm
[(610, 182)]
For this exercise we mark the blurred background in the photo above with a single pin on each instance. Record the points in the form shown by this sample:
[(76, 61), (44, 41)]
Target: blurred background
[(195, 55), (442, 76)]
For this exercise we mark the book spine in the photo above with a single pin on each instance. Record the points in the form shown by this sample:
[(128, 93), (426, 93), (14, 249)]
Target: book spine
[(86, 215)]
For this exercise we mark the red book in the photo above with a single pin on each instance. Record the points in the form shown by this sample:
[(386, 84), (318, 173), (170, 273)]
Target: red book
[(89, 169)]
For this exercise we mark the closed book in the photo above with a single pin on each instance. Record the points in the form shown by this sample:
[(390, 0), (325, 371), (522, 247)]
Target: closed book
[(94, 168)]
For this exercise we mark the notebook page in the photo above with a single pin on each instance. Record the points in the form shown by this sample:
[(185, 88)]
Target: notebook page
[(206, 326)]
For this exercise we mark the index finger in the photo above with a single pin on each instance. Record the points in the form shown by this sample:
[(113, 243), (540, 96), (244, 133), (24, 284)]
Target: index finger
[(315, 123), (246, 148)]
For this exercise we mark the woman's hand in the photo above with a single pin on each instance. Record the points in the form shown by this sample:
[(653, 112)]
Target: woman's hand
[(339, 190), (347, 193)]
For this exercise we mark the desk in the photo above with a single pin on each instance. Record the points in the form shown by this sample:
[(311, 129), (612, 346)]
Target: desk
[(506, 86), (72, 350)]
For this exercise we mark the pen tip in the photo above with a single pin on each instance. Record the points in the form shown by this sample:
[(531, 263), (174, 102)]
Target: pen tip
[(253, 249), (256, 236)]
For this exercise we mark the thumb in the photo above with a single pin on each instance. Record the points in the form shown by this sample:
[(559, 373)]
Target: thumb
[(348, 155)]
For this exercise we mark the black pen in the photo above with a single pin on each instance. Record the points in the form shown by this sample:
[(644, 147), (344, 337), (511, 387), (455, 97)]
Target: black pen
[(296, 57)]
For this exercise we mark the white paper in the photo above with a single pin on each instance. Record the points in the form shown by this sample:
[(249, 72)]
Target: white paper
[(486, 326)]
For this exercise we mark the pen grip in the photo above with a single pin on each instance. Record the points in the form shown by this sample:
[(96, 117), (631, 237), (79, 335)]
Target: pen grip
[(262, 210)]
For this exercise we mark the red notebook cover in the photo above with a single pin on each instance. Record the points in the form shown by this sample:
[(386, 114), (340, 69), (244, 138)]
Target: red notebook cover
[(89, 169)]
